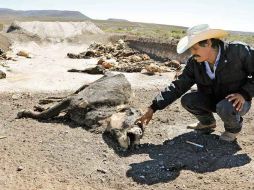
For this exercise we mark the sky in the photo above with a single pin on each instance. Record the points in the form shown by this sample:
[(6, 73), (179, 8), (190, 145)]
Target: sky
[(223, 14)]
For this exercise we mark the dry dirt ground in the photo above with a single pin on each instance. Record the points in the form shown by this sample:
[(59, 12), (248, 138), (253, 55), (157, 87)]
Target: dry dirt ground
[(4, 43), (57, 154)]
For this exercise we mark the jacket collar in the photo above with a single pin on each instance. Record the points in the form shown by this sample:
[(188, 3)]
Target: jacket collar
[(223, 57)]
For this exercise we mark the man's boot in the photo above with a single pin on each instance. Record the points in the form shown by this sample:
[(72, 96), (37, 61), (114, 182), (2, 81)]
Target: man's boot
[(202, 128), (229, 137)]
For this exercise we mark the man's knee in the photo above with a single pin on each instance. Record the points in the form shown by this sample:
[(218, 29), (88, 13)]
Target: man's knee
[(225, 108), (186, 100)]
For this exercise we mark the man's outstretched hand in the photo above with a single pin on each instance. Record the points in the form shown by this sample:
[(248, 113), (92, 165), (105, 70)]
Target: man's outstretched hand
[(145, 119)]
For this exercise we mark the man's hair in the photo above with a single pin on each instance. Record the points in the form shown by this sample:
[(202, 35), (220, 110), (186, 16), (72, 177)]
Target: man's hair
[(215, 42)]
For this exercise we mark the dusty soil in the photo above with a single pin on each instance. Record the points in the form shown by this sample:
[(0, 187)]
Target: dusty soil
[(57, 154), (5, 43)]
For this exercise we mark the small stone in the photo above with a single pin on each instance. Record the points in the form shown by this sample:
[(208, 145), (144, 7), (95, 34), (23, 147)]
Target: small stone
[(200, 177), (102, 171), (20, 168), (15, 96)]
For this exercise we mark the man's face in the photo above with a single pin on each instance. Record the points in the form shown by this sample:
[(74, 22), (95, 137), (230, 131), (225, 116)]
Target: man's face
[(201, 53)]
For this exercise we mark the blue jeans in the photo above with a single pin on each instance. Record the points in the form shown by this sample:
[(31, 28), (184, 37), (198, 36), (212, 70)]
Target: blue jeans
[(203, 106)]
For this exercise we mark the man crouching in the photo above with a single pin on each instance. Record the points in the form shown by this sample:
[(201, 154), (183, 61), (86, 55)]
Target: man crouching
[(223, 73)]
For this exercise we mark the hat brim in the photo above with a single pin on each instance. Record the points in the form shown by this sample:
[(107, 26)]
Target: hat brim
[(186, 42)]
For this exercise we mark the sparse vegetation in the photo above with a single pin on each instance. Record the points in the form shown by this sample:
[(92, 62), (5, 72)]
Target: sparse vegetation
[(141, 29), (247, 38), (149, 30), (160, 31)]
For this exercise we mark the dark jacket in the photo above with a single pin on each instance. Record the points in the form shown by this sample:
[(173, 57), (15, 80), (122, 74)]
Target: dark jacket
[(234, 74)]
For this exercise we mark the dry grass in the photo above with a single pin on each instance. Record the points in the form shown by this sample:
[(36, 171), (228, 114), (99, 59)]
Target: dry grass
[(160, 31)]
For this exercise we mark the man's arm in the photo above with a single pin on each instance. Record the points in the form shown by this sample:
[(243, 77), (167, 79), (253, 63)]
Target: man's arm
[(176, 89), (247, 57)]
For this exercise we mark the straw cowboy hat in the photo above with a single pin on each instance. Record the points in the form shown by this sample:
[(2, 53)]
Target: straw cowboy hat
[(198, 33)]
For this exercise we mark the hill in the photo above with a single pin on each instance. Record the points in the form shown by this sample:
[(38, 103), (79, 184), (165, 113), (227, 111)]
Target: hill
[(9, 14)]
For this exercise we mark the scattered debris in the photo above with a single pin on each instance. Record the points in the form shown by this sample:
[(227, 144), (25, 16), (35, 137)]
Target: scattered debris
[(125, 59), (3, 137), (195, 144)]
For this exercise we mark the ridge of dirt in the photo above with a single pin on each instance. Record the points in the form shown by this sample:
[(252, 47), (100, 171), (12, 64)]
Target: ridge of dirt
[(54, 31)]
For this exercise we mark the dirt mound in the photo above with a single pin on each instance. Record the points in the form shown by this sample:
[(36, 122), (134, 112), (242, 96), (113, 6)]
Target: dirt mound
[(54, 31)]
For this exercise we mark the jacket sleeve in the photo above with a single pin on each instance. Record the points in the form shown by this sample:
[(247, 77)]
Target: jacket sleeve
[(247, 58), (176, 89)]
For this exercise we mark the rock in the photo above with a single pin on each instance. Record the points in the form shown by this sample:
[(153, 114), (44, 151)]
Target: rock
[(15, 96), (109, 56), (120, 44), (102, 171), (135, 58), (23, 54), (2, 75), (200, 177), (120, 41), (20, 168)]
